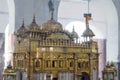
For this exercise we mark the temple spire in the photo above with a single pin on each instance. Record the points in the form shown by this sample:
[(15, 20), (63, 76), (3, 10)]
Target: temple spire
[(34, 20), (73, 29), (88, 5), (88, 33), (23, 24), (51, 8)]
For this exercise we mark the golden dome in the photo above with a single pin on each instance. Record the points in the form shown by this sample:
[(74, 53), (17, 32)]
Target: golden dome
[(22, 29), (74, 34), (33, 25), (52, 25)]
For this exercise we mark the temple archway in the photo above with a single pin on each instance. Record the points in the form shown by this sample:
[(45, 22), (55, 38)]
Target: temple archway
[(85, 76)]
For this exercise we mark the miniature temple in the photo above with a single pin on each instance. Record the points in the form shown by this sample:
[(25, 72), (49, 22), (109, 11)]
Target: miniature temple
[(109, 72), (48, 52)]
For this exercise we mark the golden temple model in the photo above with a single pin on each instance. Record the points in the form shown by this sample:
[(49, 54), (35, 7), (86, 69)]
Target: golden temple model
[(52, 52), (48, 52)]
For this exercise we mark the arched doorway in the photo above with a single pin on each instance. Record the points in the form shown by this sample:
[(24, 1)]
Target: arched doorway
[(85, 76), (55, 78)]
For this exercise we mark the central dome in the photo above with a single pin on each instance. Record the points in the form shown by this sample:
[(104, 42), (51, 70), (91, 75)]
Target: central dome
[(52, 25)]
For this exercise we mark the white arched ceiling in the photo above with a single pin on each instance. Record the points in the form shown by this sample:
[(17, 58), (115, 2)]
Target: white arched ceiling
[(4, 15), (105, 20)]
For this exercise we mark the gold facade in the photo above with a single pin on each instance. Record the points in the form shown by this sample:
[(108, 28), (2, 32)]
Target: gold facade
[(109, 72), (50, 49), (9, 73)]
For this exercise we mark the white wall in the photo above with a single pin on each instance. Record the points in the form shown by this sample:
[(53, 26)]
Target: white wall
[(105, 22), (3, 15), (112, 32)]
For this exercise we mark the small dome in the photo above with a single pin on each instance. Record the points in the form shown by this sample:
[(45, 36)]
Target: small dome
[(88, 32), (74, 34), (22, 29), (33, 25), (52, 25)]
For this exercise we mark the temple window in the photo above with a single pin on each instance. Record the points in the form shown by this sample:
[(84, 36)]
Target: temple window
[(20, 63), (79, 65), (53, 63), (37, 63), (60, 64), (46, 63), (71, 64), (86, 64)]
